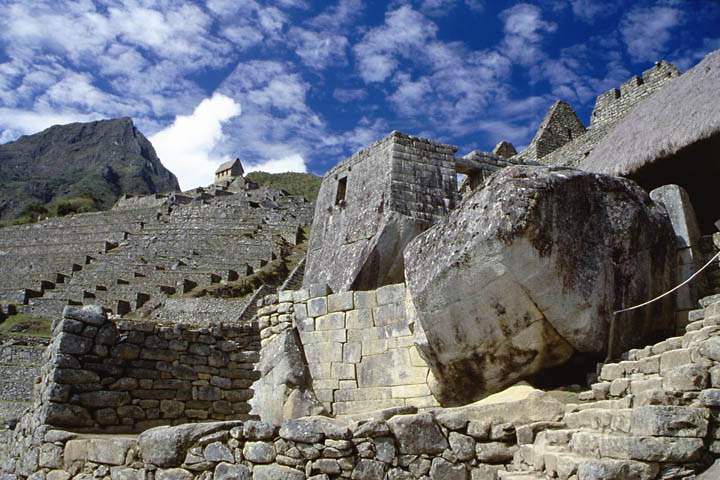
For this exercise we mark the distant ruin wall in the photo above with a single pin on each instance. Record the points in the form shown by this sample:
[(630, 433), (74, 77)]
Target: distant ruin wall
[(359, 347), (125, 376), (612, 105)]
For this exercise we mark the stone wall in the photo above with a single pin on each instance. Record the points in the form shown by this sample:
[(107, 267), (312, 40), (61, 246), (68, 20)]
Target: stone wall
[(690, 257), (125, 376), (560, 126), (472, 443), (372, 204), (358, 346), (610, 107), (20, 361), (653, 416)]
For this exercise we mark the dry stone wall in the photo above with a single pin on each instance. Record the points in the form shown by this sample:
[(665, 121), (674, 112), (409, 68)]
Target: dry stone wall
[(127, 376), (20, 361), (358, 346), (475, 443), (612, 105)]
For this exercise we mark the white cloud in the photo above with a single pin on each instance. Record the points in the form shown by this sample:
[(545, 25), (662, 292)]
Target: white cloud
[(277, 122), (318, 49), (437, 8), (338, 17), (346, 95), (524, 29), (110, 57), (404, 33), (590, 10), (187, 147), (290, 163), (15, 122), (646, 31), (441, 87), (477, 6)]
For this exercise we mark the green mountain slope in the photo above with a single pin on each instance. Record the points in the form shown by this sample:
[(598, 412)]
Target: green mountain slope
[(91, 164)]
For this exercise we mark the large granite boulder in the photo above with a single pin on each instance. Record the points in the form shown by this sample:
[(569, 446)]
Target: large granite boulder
[(528, 271)]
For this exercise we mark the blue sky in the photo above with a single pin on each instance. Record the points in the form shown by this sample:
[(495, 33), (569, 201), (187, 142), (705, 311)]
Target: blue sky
[(299, 85)]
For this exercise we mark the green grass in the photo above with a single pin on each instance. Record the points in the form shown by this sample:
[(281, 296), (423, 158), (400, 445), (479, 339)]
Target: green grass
[(61, 207), (301, 184), (25, 325)]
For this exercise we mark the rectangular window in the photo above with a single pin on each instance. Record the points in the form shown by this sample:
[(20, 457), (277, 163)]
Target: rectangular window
[(341, 191)]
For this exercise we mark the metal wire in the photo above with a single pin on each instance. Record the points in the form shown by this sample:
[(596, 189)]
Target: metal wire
[(670, 291)]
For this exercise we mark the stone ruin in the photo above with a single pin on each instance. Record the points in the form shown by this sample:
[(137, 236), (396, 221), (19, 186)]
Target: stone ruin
[(388, 356)]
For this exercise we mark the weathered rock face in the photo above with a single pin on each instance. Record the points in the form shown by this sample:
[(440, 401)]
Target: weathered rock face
[(103, 159), (528, 271)]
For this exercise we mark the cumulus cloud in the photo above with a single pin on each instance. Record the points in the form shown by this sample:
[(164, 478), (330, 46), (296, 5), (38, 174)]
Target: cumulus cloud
[(590, 10), (15, 122), (187, 147), (646, 31), (291, 163), (524, 28)]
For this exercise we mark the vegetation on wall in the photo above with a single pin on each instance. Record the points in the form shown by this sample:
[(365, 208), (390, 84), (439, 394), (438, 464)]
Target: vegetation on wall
[(36, 211), (301, 184)]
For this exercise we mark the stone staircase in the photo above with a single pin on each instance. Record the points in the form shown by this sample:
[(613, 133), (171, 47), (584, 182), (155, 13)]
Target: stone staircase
[(655, 414)]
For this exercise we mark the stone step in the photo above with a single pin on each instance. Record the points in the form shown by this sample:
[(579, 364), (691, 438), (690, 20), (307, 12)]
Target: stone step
[(637, 448), (599, 405), (555, 438), (694, 315), (558, 462), (709, 300), (647, 420), (526, 475)]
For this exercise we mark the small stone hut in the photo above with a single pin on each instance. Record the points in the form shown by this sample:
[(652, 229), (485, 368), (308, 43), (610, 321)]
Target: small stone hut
[(229, 170)]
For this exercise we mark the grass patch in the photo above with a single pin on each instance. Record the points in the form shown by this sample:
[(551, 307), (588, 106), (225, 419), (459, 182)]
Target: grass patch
[(36, 211), (24, 325), (301, 184)]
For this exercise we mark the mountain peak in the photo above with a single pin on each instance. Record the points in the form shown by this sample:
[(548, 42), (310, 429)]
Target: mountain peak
[(73, 160)]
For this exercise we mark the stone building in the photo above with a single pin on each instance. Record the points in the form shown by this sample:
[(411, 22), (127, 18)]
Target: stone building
[(229, 170), (372, 204)]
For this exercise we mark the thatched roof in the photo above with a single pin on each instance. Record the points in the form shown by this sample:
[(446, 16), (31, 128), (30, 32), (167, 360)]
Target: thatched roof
[(684, 112)]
